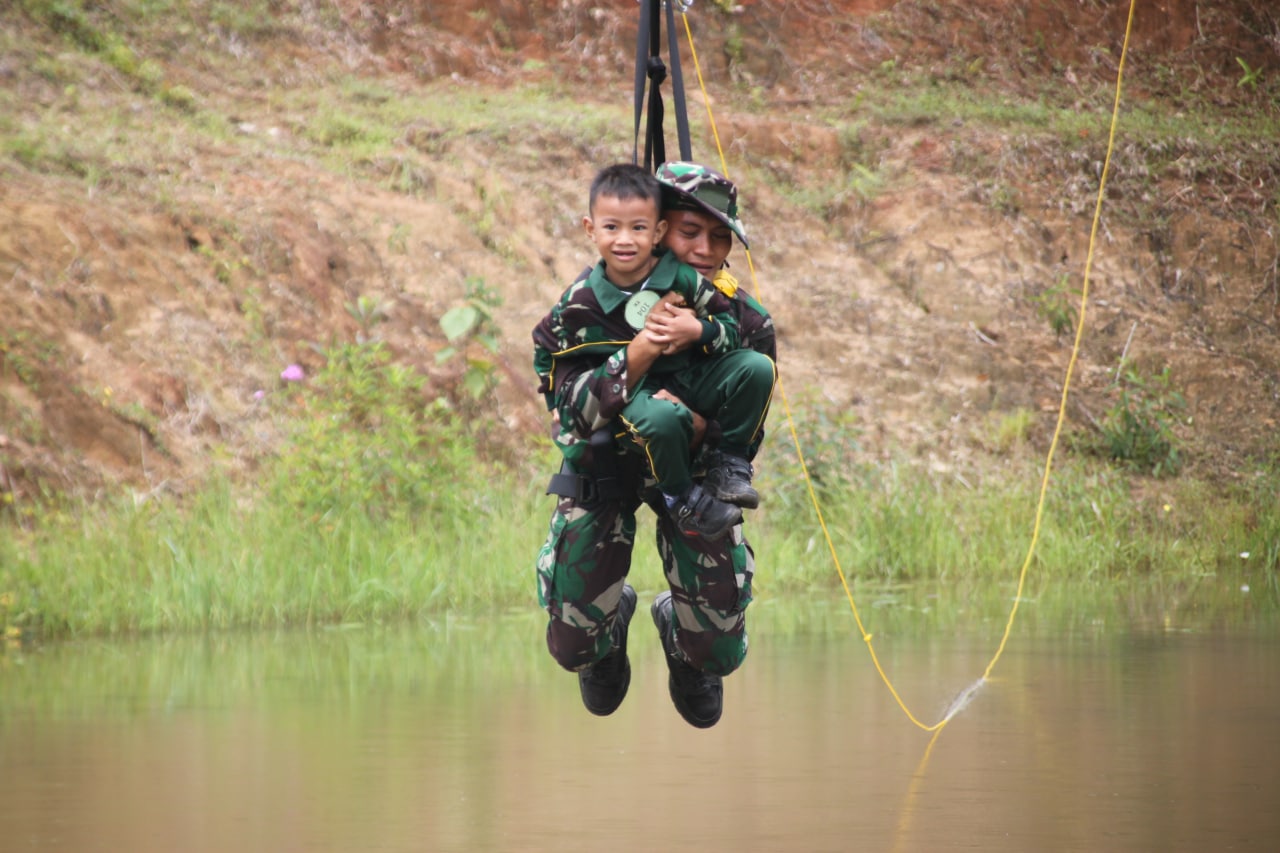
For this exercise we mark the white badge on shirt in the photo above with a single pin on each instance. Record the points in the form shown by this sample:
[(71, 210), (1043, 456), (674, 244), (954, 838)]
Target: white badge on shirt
[(639, 306)]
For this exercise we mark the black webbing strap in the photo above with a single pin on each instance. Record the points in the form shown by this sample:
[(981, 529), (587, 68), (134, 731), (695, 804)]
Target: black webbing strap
[(567, 484), (677, 85), (650, 68), (647, 42), (604, 483)]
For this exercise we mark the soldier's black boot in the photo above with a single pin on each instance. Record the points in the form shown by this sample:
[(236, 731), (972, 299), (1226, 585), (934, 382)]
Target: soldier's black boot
[(698, 696), (604, 684), (698, 513), (729, 479)]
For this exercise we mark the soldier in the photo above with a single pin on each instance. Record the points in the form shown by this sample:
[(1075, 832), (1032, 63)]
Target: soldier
[(592, 366), (699, 206)]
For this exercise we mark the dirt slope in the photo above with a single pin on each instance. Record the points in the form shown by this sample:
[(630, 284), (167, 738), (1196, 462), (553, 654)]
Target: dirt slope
[(153, 284)]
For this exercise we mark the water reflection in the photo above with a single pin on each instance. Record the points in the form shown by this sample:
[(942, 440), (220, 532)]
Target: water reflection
[(457, 738)]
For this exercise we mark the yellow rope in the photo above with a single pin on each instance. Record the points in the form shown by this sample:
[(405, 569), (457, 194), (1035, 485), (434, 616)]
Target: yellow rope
[(1057, 431)]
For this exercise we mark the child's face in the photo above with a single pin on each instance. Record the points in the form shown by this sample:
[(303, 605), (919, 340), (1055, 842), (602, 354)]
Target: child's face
[(698, 239), (626, 232)]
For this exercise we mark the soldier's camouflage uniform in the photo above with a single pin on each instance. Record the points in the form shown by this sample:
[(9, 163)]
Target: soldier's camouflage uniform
[(755, 326), (580, 358), (755, 329)]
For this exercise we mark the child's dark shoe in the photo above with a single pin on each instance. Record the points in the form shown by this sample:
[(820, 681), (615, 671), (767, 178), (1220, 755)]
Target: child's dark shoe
[(697, 513)]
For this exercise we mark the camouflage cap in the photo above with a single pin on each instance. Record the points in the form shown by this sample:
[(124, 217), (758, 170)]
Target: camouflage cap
[(692, 186)]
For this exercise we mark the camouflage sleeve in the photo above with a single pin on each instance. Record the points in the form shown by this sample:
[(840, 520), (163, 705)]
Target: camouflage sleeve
[(544, 345), (589, 395), (711, 304), (552, 336), (755, 324), (581, 375)]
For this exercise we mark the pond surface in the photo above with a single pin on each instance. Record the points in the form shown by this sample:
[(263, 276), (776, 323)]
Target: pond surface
[(452, 738)]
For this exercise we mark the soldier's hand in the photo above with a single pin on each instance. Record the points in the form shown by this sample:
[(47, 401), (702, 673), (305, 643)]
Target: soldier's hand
[(647, 343), (699, 422)]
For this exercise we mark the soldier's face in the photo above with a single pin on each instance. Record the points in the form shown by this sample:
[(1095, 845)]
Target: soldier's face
[(626, 232), (698, 239)]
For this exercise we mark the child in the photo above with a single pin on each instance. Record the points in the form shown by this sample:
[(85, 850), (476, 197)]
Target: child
[(616, 340)]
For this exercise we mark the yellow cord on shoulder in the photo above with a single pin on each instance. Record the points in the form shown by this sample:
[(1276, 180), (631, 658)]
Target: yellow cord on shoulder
[(1057, 431)]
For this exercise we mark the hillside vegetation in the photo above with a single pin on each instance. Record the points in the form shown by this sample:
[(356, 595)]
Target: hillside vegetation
[(196, 195)]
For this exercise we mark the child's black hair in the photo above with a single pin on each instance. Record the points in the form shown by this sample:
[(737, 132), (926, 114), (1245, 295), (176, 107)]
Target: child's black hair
[(626, 181)]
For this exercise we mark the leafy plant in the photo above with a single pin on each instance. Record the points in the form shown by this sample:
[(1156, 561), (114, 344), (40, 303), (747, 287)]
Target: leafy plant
[(1054, 306), (829, 440), (368, 312), (367, 437), (863, 182), (1137, 430), (1002, 197), (25, 357), (1251, 75), (473, 323)]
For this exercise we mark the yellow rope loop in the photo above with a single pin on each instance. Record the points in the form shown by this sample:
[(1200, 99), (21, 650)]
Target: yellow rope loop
[(968, 693)]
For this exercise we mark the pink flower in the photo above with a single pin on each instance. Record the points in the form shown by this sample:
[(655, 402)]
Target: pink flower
[(293, 373)]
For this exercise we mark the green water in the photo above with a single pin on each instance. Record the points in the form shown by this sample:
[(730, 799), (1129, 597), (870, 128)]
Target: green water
[(466, 737)]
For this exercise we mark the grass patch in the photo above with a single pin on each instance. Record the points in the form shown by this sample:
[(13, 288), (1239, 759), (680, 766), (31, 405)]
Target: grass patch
[(1053, 134), (899, 528), (224, 562), (910, 544), (1142, 121)]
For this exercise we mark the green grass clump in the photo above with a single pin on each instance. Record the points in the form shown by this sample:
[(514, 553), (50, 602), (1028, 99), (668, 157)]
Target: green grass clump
[(1138, 430), (376, 509), (912, 546), (900, 528), (227, 561)]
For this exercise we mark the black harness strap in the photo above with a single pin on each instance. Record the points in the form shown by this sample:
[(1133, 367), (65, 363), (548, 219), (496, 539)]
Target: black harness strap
[(603, 484), (677, 85), (650, 68)]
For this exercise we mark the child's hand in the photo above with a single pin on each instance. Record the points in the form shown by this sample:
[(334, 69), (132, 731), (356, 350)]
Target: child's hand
[(671, 324)]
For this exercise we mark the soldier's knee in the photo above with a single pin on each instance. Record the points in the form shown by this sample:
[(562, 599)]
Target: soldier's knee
[(722, 595), (572, 647), (717, 653)]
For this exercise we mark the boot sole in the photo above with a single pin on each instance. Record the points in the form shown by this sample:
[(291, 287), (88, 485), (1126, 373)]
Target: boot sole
[(714, 536), (744, 500)]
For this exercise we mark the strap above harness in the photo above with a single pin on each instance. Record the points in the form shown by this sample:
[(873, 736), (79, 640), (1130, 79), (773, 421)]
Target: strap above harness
[(649, 66)]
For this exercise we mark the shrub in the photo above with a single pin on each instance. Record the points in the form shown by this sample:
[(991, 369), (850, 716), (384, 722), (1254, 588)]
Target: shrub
[(367, 436), (1138, 430)]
